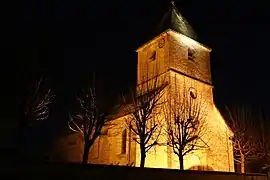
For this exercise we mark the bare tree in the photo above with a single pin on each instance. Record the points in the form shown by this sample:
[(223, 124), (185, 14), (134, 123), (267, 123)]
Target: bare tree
[(264, 145), (144, 120), (37, 104), (241, 121), (263, 142), (185, 114), (36, 108), (90, 120)]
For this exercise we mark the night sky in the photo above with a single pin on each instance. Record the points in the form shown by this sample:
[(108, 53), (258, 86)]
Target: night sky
[(67, 40)]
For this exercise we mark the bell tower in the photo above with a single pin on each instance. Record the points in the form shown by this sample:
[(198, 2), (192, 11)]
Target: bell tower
[(175, 54), (174, 48)]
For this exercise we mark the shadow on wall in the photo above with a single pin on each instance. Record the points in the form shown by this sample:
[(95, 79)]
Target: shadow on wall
[(201, 168)]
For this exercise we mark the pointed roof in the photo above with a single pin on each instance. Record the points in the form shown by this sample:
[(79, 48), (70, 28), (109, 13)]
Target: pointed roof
[(174, 20)]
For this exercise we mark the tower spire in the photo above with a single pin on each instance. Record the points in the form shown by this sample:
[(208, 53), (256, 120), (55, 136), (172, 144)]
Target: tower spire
[(174, 20)]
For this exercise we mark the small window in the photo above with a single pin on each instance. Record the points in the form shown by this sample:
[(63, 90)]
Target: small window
[(124, 142), (153, 56), (191, 54)]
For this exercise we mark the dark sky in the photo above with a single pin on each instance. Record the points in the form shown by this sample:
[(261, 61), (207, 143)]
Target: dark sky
[(66, 40)]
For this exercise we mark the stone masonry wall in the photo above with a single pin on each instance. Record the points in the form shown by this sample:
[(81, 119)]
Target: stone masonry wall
[(178, 52), (110, 145), (147, 67), (215, 133)]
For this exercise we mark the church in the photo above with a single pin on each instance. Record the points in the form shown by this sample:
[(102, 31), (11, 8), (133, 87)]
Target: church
[(175, 55), (184, 63)]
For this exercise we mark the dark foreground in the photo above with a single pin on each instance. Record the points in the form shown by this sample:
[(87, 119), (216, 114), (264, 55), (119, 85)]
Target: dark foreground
[(101, 172)]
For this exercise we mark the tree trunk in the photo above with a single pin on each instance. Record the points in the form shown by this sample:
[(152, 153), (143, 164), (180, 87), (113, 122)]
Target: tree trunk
[(86, 153), (181, 162), (242, 163), (143, 156)]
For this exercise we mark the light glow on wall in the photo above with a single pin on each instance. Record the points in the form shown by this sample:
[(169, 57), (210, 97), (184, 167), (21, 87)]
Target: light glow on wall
[(192, 160), (188, 41)]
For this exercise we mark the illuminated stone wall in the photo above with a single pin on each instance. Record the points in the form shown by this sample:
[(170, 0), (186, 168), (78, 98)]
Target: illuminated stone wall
[(109, 148), (147, 67), (198, 68), (218, 154)]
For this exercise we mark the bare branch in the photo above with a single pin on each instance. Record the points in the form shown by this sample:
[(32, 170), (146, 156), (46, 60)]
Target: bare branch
[(185, 115), (37, 104), (241, 121), (144, 120), (71, 122), (90, 121)]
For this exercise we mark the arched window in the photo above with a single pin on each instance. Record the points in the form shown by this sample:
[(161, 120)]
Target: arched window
[(124, 142)]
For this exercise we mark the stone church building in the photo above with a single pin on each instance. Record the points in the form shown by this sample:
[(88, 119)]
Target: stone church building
[(175, 55)]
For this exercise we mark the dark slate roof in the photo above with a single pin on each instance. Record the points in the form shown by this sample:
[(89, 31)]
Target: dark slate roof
[(123, 110), (175, 21), (123, 107)]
